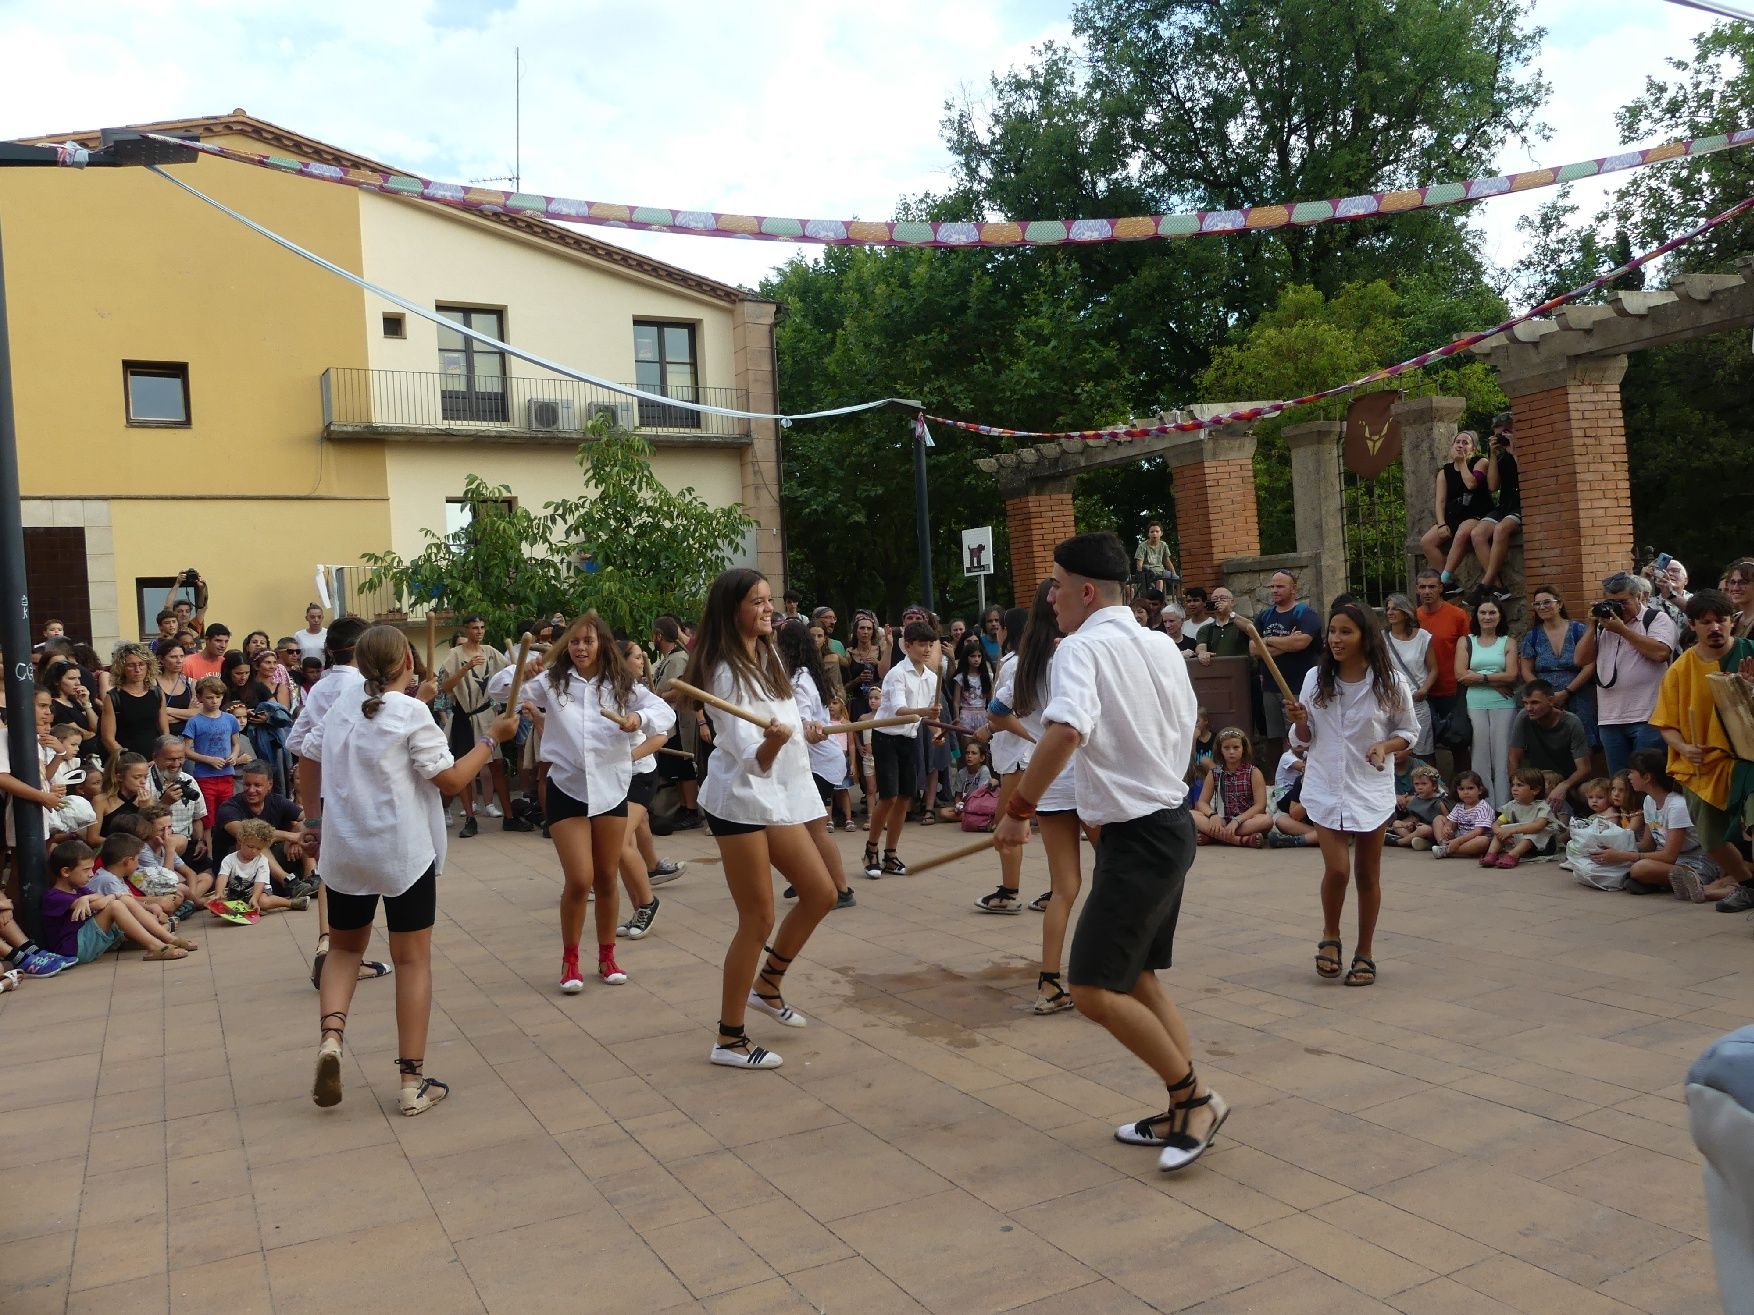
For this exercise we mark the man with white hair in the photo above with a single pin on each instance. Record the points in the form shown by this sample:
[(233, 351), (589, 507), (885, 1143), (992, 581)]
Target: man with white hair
[(1631, 643), (1173, 622)]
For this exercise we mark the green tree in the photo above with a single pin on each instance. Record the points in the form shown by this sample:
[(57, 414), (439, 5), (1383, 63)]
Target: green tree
[(627, 546)]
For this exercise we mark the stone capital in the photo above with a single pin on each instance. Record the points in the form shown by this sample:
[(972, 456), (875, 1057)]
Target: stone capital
[(1314, 433), (1542, 375), (1428, 410)]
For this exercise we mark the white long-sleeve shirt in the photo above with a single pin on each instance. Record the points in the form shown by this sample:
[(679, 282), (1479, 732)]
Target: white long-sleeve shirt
[(736, 788), (383, 819), (1341, 790), (1125, 691), (330, 686), (1011, 752), (827, 759), (588, 756)]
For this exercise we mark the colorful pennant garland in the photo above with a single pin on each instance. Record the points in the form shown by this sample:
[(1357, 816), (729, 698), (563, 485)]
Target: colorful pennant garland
[(993, 233)]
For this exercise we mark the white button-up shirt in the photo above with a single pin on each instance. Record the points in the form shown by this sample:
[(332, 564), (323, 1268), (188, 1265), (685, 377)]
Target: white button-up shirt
[(383, 819), (588, 756), (330, 686), (1341, 790), (736, 788), (1011, 753), (827, 759), (907, 687), (1125, 690)]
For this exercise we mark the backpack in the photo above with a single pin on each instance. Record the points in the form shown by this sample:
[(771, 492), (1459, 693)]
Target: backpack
[(980, 808)]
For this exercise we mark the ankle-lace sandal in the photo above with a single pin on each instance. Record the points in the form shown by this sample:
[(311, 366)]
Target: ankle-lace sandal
[(738, 1051), (1002, 900), (1061, 998), (1180, 1147), (423, 1095), (773, 1004), (326, 1088)]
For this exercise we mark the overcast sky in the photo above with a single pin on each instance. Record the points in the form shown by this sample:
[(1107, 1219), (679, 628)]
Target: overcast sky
[(807, 108)]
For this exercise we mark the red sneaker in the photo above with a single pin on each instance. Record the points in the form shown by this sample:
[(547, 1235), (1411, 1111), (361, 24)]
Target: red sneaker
[(572, 981), (610, 971)]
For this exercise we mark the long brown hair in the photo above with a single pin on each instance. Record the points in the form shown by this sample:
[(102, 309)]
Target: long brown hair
[(612, 665), (1034, 651), (1376, 657), (718, 642), (379, 654)]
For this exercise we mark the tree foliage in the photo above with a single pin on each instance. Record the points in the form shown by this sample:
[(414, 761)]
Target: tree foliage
[(625, 545)]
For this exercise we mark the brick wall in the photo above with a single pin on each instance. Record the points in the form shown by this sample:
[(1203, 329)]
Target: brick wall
[(1577, 502), (1036, 522), (1215, 517)]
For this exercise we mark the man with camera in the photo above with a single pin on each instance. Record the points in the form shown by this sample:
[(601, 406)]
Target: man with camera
[(1495, 531), (1632, 644), (190, 615)]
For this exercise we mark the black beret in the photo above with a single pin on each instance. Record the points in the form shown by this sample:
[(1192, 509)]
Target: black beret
[(1097, 556)]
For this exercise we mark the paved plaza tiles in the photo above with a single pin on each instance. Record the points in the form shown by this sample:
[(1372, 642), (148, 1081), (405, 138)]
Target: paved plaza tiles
[(1495, 1126)]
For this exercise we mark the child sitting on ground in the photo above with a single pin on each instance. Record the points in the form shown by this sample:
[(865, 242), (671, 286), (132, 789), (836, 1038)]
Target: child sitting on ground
[(968, 776), (1525, 825), (246, 871), (1233, 805), (1669, 857), (1468, 827), (162, 877), (1628, 802), (1416, 812), (1291, 824), (118, 862), (1595, 833), (80, 924)]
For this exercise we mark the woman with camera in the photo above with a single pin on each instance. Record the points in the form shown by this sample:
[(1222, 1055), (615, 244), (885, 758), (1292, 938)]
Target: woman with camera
[(1503, 520)]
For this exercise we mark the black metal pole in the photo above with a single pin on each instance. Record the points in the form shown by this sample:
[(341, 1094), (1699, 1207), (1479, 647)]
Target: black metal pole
[(923, 519), (21, 724)]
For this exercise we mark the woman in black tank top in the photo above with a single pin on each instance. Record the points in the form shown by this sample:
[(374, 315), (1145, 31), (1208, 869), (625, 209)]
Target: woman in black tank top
[(133, 716)]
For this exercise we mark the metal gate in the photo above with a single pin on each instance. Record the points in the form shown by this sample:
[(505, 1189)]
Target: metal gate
[(1374, 516)]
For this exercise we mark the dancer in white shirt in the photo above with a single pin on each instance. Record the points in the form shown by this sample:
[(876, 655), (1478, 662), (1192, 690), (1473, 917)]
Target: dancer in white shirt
[(1355, 713), (758, 799), (383, 834), (828, 761), (590, 770), (1122, 702)]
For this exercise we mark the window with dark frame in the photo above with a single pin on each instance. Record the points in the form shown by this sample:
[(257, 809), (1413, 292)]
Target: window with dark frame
[(474, 384), (156, 393), (665, 362), (395, 326), (460, 512)]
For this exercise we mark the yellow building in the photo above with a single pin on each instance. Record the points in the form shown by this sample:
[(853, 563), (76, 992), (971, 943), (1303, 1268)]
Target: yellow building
[(189, 394)]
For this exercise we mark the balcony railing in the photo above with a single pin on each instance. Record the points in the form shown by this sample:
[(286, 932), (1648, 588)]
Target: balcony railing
[(407, 401)]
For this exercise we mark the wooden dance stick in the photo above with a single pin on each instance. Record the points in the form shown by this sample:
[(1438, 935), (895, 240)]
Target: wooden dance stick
[(966, 851), (1260, 646), (945, 726), (615, 717), (431, 637), (676, 753), (723, 705), (837, 727), (518, 672)]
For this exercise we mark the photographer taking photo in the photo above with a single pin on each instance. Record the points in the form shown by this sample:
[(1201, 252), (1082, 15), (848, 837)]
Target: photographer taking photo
[(1499, 526), (1632, 644)]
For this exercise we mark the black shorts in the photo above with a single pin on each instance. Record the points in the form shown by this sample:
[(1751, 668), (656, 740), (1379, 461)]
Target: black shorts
[(642, 790), (415, 909), (562, 807), (825, 788), (897, 759), (1128, 923), (718, 826)]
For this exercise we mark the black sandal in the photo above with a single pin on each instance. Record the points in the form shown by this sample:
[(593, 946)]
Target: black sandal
[(774, 1005), (1144, 1133), (422, 1097), (1060, 1000), (1362, 972), (1328, 965), (326, 1089)]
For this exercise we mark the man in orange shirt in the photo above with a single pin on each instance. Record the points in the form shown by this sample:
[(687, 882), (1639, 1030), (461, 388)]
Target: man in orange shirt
[(207, 662), (1446, 624)]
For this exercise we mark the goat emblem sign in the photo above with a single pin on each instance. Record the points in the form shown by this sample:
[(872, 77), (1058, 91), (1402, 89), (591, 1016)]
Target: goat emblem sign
[(1373, 436), (977, 551)]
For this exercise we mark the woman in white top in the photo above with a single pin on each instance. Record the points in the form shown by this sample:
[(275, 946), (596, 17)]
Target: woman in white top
[(384, 764), (1019, 695), (1410, 647), (828, 761), (758, 799), (1354, 716), (593, 716)]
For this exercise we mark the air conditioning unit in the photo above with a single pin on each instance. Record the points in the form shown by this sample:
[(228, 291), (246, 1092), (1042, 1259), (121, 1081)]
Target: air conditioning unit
[(620, 413), (550, 413)]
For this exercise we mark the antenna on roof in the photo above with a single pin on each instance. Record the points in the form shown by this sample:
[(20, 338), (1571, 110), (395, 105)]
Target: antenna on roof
[(516, 177)]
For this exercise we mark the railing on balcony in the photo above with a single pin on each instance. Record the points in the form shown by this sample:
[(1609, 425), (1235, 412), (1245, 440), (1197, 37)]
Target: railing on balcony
[(378, 400)]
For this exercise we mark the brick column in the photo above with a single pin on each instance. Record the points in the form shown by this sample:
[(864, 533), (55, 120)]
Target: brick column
[(1215, 515), (1571, 453), (1036, 521)]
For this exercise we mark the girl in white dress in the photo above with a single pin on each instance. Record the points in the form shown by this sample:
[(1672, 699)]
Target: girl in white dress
[(758, 799), (1355, 714)]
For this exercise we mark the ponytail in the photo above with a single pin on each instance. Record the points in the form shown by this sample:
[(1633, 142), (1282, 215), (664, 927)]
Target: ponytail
[(379, 654)]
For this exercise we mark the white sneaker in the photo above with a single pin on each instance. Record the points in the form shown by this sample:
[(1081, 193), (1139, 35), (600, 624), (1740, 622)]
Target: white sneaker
[(744, 1056), (492, 810)]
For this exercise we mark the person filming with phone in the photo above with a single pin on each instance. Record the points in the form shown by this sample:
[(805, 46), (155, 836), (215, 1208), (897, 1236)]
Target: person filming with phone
[(1632, 643)]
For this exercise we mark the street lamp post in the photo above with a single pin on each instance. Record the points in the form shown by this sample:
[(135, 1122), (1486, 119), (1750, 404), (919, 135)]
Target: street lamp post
[(120, 147)]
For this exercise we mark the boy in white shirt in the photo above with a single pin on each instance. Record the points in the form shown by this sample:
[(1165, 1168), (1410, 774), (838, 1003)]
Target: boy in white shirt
[(909, 688), (245, 871)]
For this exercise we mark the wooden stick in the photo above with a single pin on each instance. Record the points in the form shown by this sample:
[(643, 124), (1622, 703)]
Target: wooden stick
[(837, 727), (1260, 647), (714, 701), (431, 638), (965, 851), (676, 753), (945, 726), (613, 715), (518, 671)]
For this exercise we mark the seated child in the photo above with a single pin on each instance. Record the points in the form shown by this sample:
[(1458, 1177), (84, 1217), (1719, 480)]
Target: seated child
[(244, 875), (1668, 856), (80, 924), (1204, 747), (970, 775), (1525, 825), (77, 815), (1417, 811), (1595, 834), (21, 954), (118, 864), (1291, 824), (1467, 829), (162, 877), (1233, 804)]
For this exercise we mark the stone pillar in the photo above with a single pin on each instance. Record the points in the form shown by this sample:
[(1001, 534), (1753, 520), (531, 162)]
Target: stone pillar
[(1571, 453), (1037, 520), (1428, 427), (752, 356), (1318, 507), (1215, 514)]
